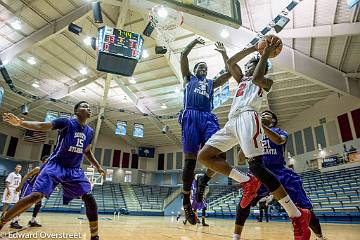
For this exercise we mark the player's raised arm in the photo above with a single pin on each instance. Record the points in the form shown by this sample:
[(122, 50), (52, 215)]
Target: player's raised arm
[(258, 76), (273, 136), (224, 77), (184, 61), (234, 69), (91, 158), (31, 125)]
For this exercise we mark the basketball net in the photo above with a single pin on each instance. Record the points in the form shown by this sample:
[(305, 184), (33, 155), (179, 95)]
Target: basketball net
[(166, 21)]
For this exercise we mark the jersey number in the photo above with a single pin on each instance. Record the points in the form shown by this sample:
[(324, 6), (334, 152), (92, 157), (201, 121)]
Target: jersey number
[(241, 89), (80, 143)]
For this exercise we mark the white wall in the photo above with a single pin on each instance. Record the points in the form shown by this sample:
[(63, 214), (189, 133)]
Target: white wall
[(329, 108)]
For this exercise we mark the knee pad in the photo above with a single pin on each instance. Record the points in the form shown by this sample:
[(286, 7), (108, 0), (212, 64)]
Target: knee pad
[(91, 207), (188, 173), (242, 214), (257, 168)]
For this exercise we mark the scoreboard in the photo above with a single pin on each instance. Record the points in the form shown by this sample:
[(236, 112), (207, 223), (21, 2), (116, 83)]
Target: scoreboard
[(118, 51)]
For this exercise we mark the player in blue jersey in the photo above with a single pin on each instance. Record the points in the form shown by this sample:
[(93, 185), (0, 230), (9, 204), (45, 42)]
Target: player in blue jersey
[(64, 164), (198, 124), (26, 186), (274, 142)]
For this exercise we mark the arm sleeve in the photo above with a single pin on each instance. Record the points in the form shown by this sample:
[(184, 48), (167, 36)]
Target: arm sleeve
[(60, 123), (9, 178)]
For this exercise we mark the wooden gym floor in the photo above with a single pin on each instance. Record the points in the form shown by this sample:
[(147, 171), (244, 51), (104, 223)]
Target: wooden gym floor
[(159, 228)]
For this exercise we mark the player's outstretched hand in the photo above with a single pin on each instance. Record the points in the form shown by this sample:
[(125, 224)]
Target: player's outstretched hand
[(220, 47), (200, 40), (102, 172), (272, 46), (12, 119)]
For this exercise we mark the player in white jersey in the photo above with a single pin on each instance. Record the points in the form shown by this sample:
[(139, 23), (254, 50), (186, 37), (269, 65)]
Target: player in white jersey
[(244, 128), (11, 196)]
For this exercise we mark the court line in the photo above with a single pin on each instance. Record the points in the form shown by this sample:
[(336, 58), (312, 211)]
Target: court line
[(214, 234)]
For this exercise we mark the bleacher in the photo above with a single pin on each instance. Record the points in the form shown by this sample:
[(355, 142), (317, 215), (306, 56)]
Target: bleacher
[(152, 197), (334, 194)]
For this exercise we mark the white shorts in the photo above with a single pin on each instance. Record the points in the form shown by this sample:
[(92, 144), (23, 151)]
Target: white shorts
[(245, 130), (12, 198)]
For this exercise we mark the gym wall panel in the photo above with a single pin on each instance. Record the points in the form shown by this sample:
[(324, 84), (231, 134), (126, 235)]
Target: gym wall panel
[(3, 138), (46, 150), (299, 144), (355, 114), (230, 157), (179, 160), (116, 158), (169, 161), (290, 145), (309, 140), (97, 154), (134, 161), (332, 133), (107, 157), (12, 147), (125, 160), (161, 158), (320, 136), (345, 129)]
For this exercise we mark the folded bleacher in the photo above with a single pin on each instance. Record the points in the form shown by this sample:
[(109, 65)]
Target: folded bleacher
[(152, 197)]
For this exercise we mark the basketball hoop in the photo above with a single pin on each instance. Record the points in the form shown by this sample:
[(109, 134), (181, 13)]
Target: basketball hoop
[(166, 21), (94, 178)]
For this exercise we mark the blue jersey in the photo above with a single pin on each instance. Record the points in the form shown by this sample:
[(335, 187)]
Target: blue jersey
[(73, 139), (198, 94), (273, 155)]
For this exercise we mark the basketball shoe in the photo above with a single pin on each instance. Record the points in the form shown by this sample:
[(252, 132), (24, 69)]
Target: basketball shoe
[(301, 225), (190, 215), (250, 189)]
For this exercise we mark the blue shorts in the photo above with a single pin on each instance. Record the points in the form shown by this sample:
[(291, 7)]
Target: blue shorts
[(293, 185), (26, 189), (73, 180), (197, 127)]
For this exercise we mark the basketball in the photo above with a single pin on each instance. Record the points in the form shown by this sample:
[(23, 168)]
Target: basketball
[(262, 44)]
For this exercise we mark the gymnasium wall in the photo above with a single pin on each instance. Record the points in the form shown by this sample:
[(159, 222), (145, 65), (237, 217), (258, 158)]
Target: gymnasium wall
[(331, 122)]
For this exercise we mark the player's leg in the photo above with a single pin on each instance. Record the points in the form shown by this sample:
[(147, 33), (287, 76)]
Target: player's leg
[(92, 214), (241, 215), (316, 227), (191, 145), (261, 215), (203, 217), (20, 207), (36, 210), (249, 132), (76, 185), (5, 207), (210, 154)]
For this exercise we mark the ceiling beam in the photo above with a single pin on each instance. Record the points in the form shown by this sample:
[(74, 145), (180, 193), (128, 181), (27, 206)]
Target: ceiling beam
[(331, 30), (143, 109), (45, 33), (290, 59), (353, 75)]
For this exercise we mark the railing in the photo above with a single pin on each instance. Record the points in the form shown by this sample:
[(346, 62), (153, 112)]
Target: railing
[(171, 198), (222, 199)]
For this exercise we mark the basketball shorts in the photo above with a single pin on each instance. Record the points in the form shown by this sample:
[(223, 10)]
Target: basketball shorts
[(245, 130), (197, 127), (292, 184), (12, 198), (73, 180), (26, 189)]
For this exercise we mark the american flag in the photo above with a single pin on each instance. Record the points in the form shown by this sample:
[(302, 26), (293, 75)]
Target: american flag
[(34, 136)]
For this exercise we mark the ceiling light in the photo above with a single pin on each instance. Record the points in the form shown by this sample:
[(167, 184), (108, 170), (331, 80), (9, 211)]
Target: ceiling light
[(163, 106), (16, 24), (87, 41), (83, 71), (5, 62), (145, 54), (162, 12), (83, 92), (35, 84), (31, 60), (177, 90), (132, 80), (224, 33)]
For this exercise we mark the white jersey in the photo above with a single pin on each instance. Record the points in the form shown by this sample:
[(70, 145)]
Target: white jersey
[(248, 96), (13, 179)]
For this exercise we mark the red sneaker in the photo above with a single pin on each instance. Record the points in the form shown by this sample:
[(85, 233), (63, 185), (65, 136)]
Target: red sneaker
[(250, 189), (301, 225)]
